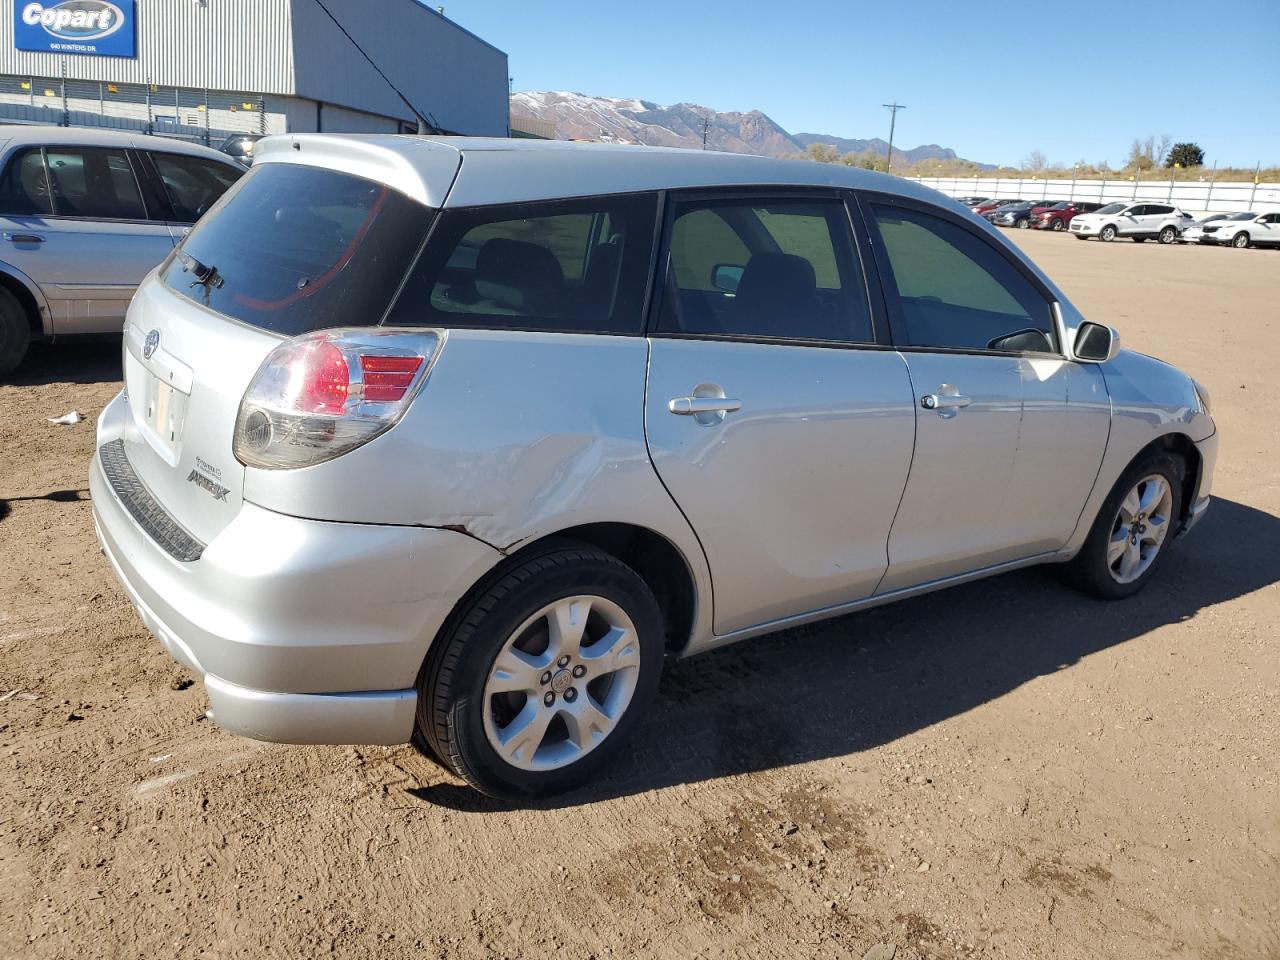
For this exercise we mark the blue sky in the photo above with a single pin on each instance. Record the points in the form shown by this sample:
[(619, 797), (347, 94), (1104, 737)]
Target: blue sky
[(992, 80)]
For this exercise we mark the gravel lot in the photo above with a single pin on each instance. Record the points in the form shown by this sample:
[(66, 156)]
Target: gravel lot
[(1007, 769)]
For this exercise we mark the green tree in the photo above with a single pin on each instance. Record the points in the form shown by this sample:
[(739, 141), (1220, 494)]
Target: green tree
[(822, 152), (1185, 155)]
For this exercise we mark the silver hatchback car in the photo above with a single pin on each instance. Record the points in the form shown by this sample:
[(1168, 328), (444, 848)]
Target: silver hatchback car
[(454, 441)]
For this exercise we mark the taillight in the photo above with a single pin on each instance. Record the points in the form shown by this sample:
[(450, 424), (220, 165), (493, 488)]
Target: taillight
[(319, 396)]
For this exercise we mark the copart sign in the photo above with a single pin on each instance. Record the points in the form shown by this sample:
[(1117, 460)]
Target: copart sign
[(103, 28)]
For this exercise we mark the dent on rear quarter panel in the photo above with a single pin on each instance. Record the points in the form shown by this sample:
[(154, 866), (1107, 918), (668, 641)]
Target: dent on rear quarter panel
[(514, 436)]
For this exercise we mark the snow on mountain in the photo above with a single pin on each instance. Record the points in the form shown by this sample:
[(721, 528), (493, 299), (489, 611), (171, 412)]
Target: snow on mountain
[(622, 120)]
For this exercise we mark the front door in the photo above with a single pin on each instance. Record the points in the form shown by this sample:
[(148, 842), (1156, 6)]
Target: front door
[(1009, 434), (778, 424), (73, 220)]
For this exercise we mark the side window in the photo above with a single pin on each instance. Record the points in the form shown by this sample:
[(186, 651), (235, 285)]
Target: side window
[(24, 188), (93, 182), (568, 265), (1141, 210), (1159, 209), (950, 289), (193, 185), (781, 268)]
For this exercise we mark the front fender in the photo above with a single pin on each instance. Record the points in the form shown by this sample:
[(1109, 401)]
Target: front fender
[(1150, 399)]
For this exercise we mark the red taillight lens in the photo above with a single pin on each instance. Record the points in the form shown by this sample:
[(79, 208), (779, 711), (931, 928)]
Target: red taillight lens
[(386, 379), (322, 394), (326, 381)]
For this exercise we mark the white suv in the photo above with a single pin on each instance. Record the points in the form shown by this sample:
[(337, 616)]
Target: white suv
[(1241, 230), (1139, 221)]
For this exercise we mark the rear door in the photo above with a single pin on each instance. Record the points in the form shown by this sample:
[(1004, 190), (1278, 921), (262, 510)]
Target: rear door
[(774, 415), (80, 229), (1009, 434), (189, 185)]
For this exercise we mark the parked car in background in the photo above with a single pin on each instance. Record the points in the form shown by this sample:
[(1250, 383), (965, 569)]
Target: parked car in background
[(987, 206), (1136, 221), (1058, 216), (970, 201), (407, 450), (1193, 232), (239, 146), (1242, 230), (1017, 214), (84, 214)]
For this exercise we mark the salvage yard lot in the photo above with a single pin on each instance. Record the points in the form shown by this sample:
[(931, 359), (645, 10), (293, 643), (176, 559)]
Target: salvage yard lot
[(1006, 769)]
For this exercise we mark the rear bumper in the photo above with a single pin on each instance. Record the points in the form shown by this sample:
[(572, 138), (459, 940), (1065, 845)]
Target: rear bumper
[(304, 631)]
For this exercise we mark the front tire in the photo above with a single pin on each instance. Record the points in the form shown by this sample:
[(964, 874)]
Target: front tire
[(1240, 241), (15, 332), (544, 674), (1057, 226), (1107, 233), (1133, 530), (1024, 224), (1167, 235)]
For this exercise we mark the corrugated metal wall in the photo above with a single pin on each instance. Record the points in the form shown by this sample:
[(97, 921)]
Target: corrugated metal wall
[(459, 80), (289, 47), (220, 44)]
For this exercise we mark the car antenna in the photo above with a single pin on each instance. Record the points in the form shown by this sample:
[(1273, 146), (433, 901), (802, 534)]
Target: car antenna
[(424, 125)]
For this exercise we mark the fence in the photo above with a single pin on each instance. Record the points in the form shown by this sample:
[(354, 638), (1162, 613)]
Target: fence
[(1192, 196)]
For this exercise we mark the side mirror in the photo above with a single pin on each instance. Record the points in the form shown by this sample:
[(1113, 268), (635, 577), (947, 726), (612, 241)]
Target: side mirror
[(1096, 343), (726, 277)]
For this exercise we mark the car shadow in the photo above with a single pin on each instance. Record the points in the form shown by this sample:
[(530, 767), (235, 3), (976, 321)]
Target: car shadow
[(54, 496), (91, 360), (866, 679)]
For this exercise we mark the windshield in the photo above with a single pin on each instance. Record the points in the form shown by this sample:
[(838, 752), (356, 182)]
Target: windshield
[(1242, 216), (1113, 208), (1062, 205), (292, 249)]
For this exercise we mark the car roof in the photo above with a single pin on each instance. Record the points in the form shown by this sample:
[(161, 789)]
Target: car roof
[(37, 135), (500, 170)]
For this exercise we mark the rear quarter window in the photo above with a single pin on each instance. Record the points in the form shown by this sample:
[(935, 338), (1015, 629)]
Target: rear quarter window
[(573, 266), (299, 248)]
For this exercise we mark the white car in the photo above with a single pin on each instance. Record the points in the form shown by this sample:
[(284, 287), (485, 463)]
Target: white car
[(1241, 230), (1140, 220), (1194, 231)]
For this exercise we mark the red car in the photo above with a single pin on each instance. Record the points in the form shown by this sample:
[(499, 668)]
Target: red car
[(986, 206), (1059, 215)]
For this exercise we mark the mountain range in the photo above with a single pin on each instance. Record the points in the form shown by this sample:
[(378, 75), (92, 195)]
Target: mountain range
[(577, 116)]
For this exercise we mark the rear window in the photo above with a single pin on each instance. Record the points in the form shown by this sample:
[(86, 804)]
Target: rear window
[(293, 249)]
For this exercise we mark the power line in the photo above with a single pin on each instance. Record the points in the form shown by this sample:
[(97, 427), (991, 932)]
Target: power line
[(893, 109), (424, 125)]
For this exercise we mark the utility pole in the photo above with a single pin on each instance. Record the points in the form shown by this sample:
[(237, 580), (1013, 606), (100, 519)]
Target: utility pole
[(706, 126), (893, 109)]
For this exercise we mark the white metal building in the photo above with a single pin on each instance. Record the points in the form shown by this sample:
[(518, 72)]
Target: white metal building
[(204, 68)]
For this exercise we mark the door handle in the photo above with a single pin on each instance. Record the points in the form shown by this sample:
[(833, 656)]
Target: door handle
[(23, 237), (944, 401), (692, 406)]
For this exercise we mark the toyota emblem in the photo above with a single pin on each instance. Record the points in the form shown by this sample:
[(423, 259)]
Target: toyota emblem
[(149, 345)]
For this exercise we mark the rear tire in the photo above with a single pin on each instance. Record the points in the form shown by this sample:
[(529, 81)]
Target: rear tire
[(1130, 537), (1167, 235), (514, 726), (1240, 241), (1024, 224), (1107, 233), (15, 332)]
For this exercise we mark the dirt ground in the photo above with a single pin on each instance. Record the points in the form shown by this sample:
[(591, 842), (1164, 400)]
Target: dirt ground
[(1007, 769)]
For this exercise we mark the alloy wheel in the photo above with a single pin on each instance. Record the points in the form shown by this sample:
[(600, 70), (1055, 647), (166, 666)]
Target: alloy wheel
[(1140, 528), (561, 683)]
